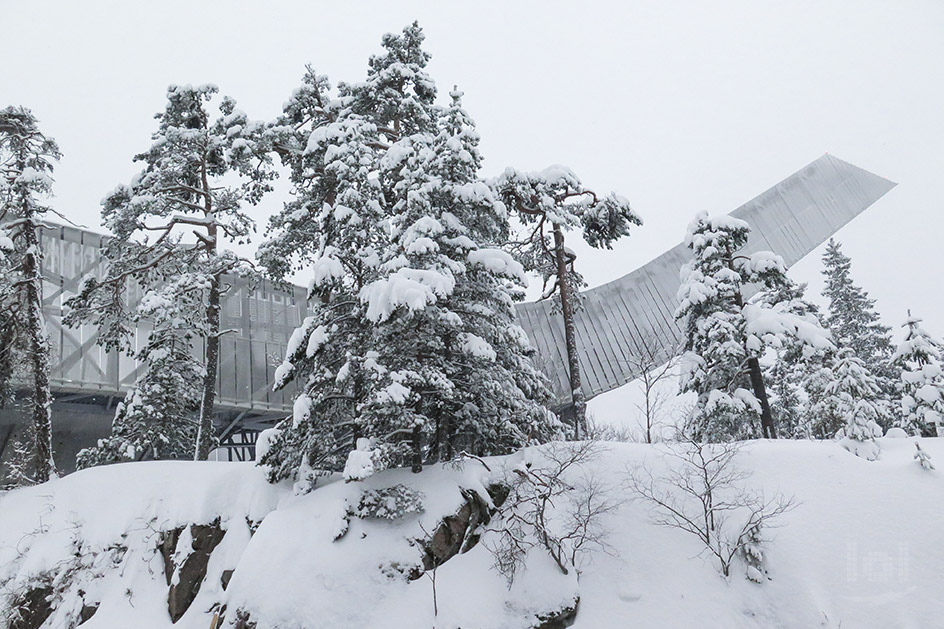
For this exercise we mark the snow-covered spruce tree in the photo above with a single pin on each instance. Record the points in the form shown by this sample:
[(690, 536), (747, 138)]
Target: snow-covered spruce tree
[(727, 335), (198, 174), (334, 228), (852, 398), (458, 368), (922, 382), (789, 373), (549, 203), (854, 323), (157, 419), (26, 163), (387, 198)]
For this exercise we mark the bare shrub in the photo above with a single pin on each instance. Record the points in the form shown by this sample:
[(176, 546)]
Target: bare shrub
[(601, 431), (704, 494), (655, 361), (556, 503)]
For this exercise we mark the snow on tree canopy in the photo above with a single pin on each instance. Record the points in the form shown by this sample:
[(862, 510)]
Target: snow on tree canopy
[(413, 289), (500, 263), (26, 165), (394, 225), (769, 326), (298, 337), (317, 338), (477, 346), (360, 462), (301, 410), (282, 374), (921, 384)]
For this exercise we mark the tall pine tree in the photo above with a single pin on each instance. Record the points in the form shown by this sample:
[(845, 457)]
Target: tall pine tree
[(333, 228), (198, 174), (411, 342), (548, 204), (26, 165)]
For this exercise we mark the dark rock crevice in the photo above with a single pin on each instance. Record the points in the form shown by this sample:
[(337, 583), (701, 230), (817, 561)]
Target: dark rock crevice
[(192, 571), (460, 532), (559, 619), (31, 610)]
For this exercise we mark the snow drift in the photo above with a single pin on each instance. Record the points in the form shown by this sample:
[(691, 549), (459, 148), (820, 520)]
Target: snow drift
[(102, 547)]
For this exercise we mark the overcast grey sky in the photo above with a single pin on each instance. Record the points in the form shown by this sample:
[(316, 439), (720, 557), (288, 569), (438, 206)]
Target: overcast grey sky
[(679, 106)]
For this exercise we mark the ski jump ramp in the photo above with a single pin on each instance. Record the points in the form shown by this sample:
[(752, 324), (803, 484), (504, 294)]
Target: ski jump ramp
[(615, 320)]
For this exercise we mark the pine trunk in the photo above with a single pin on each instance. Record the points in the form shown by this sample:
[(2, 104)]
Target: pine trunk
[(760, 392), (417, 446), (205, 429), (39, 354), (570, 338), (757, 378)]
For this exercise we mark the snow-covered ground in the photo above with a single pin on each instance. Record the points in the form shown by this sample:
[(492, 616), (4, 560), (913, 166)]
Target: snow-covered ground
[(861, 548)]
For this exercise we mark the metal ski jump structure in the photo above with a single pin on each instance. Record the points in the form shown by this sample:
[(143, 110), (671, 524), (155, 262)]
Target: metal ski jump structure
[(791, 219)]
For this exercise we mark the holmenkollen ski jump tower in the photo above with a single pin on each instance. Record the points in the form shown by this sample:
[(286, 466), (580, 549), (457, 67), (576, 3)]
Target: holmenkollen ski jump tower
[(791, 219)]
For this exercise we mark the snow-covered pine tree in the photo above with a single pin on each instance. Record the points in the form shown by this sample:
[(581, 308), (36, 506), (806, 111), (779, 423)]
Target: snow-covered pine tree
[(549, 203), (854, 323), (26, 165), (727, 335), (338, 224), (500, 406), (922, 381), (398, 95), (852, 398), (198, 174)]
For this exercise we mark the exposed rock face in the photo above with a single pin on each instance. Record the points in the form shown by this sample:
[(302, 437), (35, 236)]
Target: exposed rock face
[(243, 621), (225, 578), (458, 533), (558, 620), (167, 547), (87, 612), (32, 609), (190, 573)]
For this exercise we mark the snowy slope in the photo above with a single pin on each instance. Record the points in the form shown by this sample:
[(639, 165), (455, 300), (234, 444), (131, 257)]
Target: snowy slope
[(861, 548)]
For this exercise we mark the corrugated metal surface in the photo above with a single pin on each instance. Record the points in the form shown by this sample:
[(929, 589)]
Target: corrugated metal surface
[(262, 320), (791, 219)]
